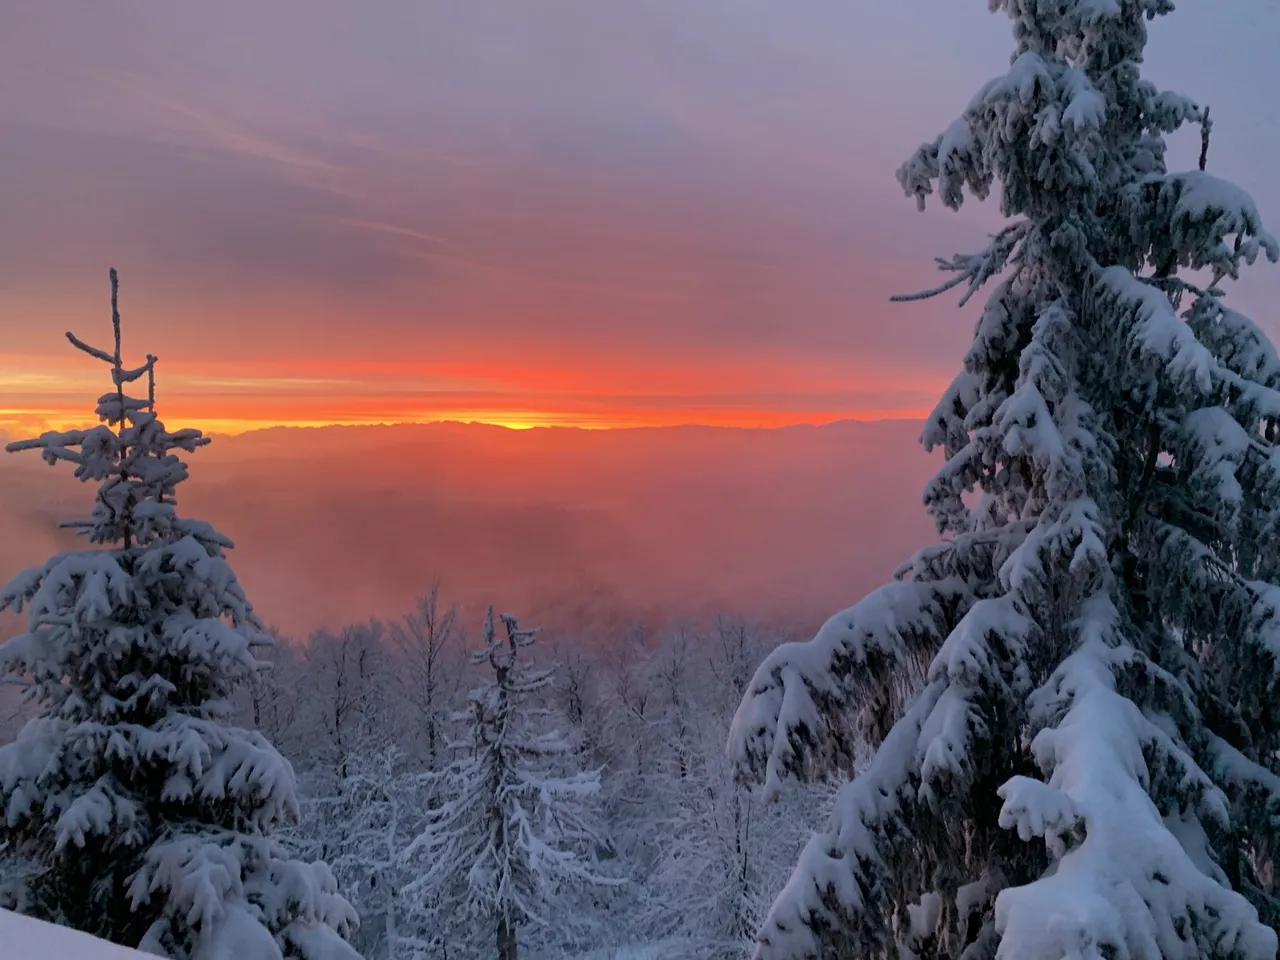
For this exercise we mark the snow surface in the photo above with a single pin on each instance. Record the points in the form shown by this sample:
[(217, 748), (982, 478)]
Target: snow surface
[(23, 938)]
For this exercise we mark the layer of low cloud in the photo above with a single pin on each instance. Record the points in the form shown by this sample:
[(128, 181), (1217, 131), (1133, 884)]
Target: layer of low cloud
[(579, 530)]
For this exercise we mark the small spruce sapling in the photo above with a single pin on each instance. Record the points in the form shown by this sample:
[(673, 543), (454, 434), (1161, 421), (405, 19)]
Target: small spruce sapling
[(509, 838), (143, 816)]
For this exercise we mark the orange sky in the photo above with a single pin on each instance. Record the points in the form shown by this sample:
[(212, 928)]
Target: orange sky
[(49, 392), (570, 212)]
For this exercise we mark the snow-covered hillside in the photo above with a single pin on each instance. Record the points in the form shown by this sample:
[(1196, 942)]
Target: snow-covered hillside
[(27, 939)]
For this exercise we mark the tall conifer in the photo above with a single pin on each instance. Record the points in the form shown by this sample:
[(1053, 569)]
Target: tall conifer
[(1073, 695)]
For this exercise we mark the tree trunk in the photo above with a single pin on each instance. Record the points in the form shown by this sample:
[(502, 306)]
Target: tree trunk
[(506, 939)]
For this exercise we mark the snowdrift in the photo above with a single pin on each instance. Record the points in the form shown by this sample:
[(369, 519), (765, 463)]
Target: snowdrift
[(22, 938)]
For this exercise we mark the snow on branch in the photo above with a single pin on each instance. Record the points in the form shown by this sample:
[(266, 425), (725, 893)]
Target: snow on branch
[(974, 269), (787, 724), (1196, 220), (1035, 809), (121, 376), (844, 874), (1134, 886), (1155, 332), (1237, 341), (92, 351), (1038, 101)]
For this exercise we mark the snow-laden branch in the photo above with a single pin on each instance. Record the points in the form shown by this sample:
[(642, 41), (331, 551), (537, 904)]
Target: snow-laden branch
[(974, 269)]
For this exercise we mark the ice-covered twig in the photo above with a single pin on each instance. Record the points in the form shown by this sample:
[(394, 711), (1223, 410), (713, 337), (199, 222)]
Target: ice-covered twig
[(1206, 127), (92, 351), (975, 268)]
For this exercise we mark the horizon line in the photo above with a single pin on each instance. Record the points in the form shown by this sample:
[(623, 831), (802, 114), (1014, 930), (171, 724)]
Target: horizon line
[(586, 427), (236, 427)]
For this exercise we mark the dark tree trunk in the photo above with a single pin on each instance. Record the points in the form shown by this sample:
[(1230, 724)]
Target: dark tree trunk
[(506, 939)]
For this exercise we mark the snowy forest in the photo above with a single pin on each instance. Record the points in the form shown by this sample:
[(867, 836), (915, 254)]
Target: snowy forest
[(1054, 733)]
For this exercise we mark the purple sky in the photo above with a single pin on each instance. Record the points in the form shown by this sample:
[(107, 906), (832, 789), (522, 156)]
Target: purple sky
[(564, 186)]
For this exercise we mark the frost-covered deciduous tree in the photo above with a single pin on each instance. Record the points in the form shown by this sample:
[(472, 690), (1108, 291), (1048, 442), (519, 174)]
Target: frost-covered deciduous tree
[(347, 715), (348, 678), (721, 852), (509, 837), (143, 815), (630, 718), (426, 642), (271, 702), (1073, 695), (360, 828)]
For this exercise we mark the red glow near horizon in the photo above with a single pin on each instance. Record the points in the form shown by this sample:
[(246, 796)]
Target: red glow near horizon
[(46, 391), (638, 214)]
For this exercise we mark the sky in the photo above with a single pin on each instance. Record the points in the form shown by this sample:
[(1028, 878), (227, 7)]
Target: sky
[(519, 211)]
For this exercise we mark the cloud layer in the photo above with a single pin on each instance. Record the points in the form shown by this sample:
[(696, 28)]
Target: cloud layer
[(578, 530)]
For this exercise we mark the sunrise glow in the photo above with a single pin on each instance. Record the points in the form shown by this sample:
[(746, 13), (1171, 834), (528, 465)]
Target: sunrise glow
[(595, 393), (699, 235), (17, 422)]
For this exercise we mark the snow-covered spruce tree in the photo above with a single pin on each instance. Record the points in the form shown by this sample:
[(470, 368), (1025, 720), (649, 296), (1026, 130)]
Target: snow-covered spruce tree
[(510, 837), (145, 815), (1074, 694)]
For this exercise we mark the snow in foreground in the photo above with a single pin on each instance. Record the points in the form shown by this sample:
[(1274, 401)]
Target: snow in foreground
[(28, 939)]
